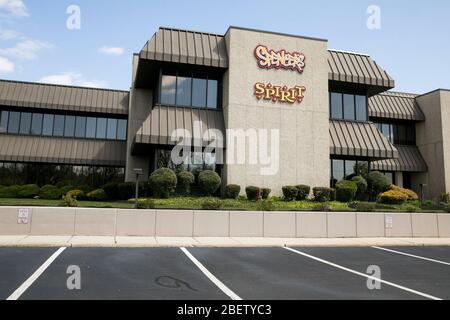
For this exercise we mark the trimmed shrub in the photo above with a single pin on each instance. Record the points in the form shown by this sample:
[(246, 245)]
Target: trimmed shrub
[(392, 197), (163, 182), (209, 182), (212, 204), (76, 194), (9, 192), (126, 191), (68, 201), (412, 209), (185, 180), (253, 193), (365, 207), (378, 182), (290, 193), (232, 191), (266, 205), (28, 191), (146, 204), (412, 196), (346, 190), (362, 185), (97, 195), (321, 194), (49, 192), (303, 192), (112, 191), (444, 198), (265, 193)]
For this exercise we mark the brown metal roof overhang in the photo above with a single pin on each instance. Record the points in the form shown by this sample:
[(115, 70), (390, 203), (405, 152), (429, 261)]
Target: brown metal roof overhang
[(62, 151), (64, 98), (189, 47), (359, 139), (398, 106), (410, 160), (201, 124), (358, 69)]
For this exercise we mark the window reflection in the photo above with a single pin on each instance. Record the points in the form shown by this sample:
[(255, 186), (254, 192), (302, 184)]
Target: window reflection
[(348, 107), (25, 123)]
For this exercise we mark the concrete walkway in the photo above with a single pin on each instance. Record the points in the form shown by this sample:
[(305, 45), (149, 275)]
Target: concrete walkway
[(151, 242)]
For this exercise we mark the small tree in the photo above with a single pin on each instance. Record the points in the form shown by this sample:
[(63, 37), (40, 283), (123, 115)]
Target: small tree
[(209, 182), (185, 180), (378, 183), (163, 182)]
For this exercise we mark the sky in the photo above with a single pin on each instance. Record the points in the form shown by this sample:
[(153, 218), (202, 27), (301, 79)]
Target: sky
[(411, 41)]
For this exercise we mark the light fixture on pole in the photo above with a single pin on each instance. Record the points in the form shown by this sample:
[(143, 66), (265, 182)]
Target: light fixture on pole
[(138, 172)]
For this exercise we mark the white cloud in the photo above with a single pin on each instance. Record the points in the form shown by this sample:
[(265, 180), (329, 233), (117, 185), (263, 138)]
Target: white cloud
[(72, 79), (15, 8), (6, 66), (8, 34), (111, 51), (26, 50)]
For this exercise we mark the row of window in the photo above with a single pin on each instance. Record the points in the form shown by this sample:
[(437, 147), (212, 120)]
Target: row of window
[(39, 124), (348, 107), (401, 134), (341, 169), (196, 162), (188, 91)]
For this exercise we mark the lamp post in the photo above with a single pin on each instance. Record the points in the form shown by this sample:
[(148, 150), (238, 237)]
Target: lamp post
[(422, 186), (138, 172)]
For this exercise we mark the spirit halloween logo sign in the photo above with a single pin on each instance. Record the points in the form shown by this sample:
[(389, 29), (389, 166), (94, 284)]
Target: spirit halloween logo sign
[(270, 59)]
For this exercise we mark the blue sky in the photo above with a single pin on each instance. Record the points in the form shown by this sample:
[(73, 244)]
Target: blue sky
[(35, 44)]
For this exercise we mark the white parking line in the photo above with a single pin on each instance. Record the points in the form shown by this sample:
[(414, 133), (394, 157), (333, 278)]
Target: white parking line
[(18, 293), (211, 277), (365, 275), (412, 256)]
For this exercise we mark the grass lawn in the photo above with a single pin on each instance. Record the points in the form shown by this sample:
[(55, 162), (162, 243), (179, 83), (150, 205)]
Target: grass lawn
[(195, 203)]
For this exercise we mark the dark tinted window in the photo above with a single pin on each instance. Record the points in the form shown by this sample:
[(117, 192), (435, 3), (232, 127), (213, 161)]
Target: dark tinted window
[(336, 105), (338, 170), (199, 93), (184, 91), (349, 167), (361, 108), (14, 122), (47, 126), (36, 124), (80, 127), (122, 129), (58, 126), (168, 89), (91, 127), (4, 121), (212, 94), (69, 130), (111, 129), (349, 107), (101, 128), (25, 123)]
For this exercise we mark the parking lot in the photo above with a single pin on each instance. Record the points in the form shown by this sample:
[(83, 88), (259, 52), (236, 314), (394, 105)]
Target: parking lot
[(225, 273)]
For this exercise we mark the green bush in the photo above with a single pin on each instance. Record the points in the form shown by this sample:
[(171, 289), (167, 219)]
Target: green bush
[(412, 209), (50, 192), (69, 201), (232, 191), (146, 204), (346, 191), (362, 185), (185, 180), (163, 182), (303, 192), (209, 182), (290, 193), (265, 193), (266, 205), (9, 192), (112, 191), (76, 194), (392, 197), (97, 195), (444, 198), (365, 207), (212, 204), (322, 194), (126, 190), (378, 183), (65, 189), (253, 193), (28, 191), (332, 194)]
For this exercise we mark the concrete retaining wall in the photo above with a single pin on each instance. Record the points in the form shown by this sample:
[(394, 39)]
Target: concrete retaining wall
[(189, 223)]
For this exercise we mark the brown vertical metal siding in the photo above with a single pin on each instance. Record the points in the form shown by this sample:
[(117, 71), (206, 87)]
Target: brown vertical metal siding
[(393, 105), (410, 160)]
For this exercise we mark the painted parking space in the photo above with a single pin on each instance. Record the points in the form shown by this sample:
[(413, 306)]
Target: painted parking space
[(424, 276), (154, 274), (275, 273), (17, 265)]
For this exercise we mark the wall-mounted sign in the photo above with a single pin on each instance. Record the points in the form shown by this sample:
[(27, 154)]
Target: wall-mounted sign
[(22, 216), (271, 59), (282, 94)]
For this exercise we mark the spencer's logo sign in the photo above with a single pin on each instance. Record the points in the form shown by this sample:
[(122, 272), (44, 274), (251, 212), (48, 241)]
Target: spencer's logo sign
[(271, 59), (282, 94)]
